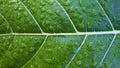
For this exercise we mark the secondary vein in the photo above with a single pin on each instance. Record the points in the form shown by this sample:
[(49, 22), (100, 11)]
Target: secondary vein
[(108, 49), (32, 16), (106, 15), (76, 52), (67, 16)]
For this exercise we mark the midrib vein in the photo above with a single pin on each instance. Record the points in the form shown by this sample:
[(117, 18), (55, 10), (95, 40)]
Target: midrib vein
[(67, 15), (32, 16), (78, 33)]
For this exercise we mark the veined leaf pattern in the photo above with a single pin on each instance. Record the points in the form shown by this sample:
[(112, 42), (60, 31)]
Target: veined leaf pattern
[(59, 34)]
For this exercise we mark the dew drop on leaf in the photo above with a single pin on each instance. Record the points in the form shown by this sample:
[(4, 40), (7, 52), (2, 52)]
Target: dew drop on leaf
[(32, 66), (78, 62), (66, 3), (31, 49), (21, 50), (50, 61)]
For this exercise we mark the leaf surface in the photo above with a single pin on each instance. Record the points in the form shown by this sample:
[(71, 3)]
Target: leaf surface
[(59, 34)]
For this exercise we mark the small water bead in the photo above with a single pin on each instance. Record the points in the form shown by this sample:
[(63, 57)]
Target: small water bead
[(43, 9), (90, 47), (49, 50), (32, 49), (111, 38), (49, 12), (118, 36), (101, 48), (42, 3), (12, 1), (32, 66), (80, 3), (21, 50), (50, 61), (15, 54), (70, 10), (108, 26), (42, 16), (67, 3), (20, 9), (78, 62), (50, 2), (83, 9)]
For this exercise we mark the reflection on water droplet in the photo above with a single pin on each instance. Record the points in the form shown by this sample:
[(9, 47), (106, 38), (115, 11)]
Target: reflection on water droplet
[(118, 36), (43, 10), (101, 48), (50, 61), (89, 47), (12, 1), (21, 50), (31, 49), (18, 28), (15, 54), (66, 3), (108, 26), (78, 62), (31, 66)]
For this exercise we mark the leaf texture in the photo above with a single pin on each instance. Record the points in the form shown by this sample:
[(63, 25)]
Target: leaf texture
[(59, 34)]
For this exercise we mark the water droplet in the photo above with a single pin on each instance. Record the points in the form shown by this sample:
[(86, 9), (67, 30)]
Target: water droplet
[(70, 10), (118, 36), (83, 9), (110, 38), (18, 28), (42, 16), (43, 10), (99, 42), (78, 62), (15, 54), (80, 2), (12, 1), (42, 3), (49, 50), (49, 12), (50, 61), (50, 2), (66, 3), (31, 66), (59, 48), (21, 50), (89, 47), (108, 26), (31, 49), (101, 48), (101, 14), (20, 9)]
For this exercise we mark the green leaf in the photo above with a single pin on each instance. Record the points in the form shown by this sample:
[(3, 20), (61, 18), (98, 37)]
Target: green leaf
[(59, 34)]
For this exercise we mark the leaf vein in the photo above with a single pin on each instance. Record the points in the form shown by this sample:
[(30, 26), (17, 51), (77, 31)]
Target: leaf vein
[(105, 14), (36, 52), (7, 22), (108, 49), (32, 16), (67, 15), (77, 51)]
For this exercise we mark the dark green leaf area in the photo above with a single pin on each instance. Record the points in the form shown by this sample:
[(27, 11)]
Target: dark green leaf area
[(86, 15), (50, 16), (18, 51), (92, 51), (56, 52)]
